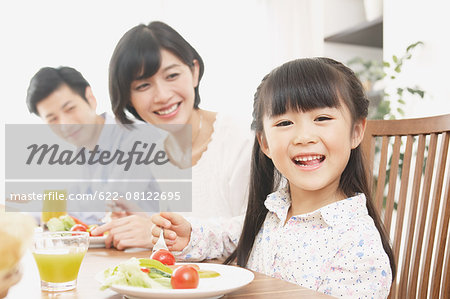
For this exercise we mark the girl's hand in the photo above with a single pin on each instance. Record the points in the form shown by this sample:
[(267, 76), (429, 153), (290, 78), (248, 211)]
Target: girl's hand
[(129, 231), (177, 230)]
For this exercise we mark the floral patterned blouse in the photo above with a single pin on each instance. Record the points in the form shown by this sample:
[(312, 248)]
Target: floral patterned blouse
[(336, 249)]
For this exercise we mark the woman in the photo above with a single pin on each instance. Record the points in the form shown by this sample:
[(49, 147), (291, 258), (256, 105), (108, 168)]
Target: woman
[(155, 75)]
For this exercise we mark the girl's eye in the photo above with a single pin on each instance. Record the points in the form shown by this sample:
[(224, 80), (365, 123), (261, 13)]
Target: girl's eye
[(172, 76), (322, 118), (284, 123), (70, 108)]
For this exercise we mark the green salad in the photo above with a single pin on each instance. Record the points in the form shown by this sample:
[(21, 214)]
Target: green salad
[(145, 273), (130, 273), (63, 223)]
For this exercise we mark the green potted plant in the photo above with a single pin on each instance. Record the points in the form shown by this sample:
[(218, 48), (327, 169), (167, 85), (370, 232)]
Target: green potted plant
[(372, 71), (380, 107)]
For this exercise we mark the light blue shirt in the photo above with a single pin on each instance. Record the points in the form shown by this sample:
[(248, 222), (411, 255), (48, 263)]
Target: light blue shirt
[(97, 178)]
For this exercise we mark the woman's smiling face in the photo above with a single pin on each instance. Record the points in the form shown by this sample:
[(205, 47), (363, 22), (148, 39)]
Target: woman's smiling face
[(168, 96)]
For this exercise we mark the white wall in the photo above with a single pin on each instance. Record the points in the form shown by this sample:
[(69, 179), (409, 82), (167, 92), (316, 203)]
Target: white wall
[(407, 21), (240, 42), (345, 53)]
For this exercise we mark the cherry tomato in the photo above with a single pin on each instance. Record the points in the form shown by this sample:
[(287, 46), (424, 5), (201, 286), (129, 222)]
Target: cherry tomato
[(184, 277), (164, 256), (91, 228), (78, 228), (145, 270)]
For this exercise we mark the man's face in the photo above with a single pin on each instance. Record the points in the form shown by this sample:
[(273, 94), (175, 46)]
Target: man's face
[(70, 116)]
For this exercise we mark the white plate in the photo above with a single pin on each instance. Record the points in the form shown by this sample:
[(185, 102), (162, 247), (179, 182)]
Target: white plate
[(97, 242), (231, 278)]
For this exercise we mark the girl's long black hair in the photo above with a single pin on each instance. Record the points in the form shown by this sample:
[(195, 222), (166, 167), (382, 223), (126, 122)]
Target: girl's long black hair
[(303, 85)]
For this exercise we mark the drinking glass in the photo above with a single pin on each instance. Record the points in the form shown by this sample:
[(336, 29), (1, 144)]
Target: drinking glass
[(54, 204), (58, 256)]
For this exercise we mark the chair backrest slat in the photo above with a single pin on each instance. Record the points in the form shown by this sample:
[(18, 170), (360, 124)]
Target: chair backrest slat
[(424, 201), (381, 174), (370, 152), (446, 286), (393, 172), (409, 176)]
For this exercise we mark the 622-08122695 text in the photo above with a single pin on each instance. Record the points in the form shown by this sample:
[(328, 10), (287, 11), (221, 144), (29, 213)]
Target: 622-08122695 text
[(98, 195)]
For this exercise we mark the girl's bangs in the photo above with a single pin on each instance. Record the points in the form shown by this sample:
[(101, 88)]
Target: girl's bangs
[(301, 86)]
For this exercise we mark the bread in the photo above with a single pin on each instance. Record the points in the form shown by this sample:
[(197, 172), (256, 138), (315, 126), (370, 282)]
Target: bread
[(16, 232)]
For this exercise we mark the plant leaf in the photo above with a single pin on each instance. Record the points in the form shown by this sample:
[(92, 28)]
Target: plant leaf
[(412, 46), (421, 93)]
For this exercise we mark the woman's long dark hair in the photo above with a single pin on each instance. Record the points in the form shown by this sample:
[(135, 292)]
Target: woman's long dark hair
[(303, 85)]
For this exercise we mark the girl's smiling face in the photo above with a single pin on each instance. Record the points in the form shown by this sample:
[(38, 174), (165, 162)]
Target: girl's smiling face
[(311, 149), (168, 96)]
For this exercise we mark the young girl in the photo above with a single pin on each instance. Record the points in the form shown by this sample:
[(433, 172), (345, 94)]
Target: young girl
[(310, 219)]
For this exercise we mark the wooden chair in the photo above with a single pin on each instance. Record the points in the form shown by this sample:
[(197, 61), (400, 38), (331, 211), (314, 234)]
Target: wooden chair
[(410, 175)]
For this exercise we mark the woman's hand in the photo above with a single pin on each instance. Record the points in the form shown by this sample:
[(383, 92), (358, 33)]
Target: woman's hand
[(177, 230), (126, 232)]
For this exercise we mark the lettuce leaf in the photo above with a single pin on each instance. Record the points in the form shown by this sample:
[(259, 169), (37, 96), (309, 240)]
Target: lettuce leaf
[(67, 221), (55, 225), (129, 273)]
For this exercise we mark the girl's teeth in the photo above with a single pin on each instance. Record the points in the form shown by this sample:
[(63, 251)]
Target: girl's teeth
[(310, 158), (167, 111)]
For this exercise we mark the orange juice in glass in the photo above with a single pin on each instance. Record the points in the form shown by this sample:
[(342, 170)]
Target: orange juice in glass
[(58, 256), (54, 204)]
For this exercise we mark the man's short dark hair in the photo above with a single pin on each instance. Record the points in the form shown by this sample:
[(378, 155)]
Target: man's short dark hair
[(49, 79)]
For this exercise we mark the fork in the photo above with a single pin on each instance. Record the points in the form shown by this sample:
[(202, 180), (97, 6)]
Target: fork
[(160, 244)]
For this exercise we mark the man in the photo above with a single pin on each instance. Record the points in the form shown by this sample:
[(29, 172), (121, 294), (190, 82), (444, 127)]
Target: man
[(63, 98)]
